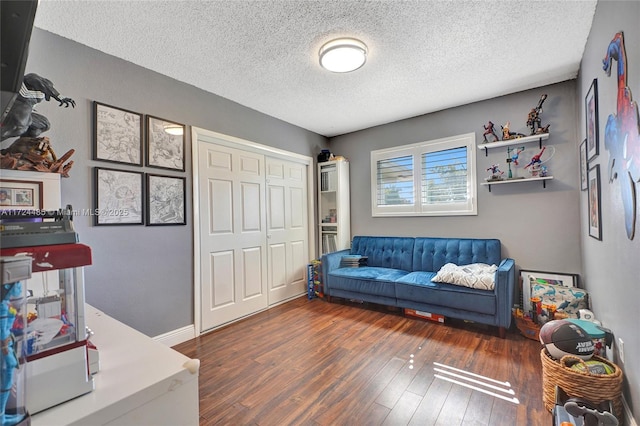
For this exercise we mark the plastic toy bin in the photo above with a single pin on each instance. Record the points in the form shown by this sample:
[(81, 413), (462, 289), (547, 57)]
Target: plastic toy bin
[(54, 340), (13, 317)]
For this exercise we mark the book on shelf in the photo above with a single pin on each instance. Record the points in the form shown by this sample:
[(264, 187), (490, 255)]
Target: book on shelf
[(327, 182), (329, 244)]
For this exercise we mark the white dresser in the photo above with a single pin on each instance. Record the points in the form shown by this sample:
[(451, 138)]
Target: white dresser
[(140, 382)]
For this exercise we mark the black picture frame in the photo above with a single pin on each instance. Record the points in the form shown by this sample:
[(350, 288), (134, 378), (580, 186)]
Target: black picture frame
[(591, 120), (119, 197), (117, 135), (595, 204), (164, 149), (583, 166), (166, 200)]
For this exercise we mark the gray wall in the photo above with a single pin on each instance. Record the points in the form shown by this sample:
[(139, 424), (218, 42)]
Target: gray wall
[(142, 276), (539, 228), (611, 268)]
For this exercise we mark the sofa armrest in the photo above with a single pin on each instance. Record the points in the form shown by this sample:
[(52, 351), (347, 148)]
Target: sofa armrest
[(331, 261), (505, 289)]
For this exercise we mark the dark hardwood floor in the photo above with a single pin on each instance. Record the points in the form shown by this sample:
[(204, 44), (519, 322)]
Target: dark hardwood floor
[(309, 362)]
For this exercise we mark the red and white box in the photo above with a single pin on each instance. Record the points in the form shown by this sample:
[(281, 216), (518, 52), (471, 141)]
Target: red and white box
[(424, 315)]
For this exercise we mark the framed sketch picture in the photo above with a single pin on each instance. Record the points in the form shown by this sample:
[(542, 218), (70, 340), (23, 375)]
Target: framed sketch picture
[(166, 200), (117, 135), (583, 165), (165, 144), (595, 209), (20, 195), (542, 277), (591, 119), (118, 197)]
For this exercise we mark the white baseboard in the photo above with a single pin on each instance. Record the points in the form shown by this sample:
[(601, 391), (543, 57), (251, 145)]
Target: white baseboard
[(179, 335), (630, 421)]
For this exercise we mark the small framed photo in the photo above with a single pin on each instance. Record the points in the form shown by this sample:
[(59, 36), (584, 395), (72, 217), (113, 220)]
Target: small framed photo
[(20, 195), (166, 200), (542, 277), (117, 135), (591, 119), (595, 209), (583, 165), (118, 197), (165, 144)]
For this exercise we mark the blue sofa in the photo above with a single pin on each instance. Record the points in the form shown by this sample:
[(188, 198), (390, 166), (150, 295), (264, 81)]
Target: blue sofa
[(399, 272)]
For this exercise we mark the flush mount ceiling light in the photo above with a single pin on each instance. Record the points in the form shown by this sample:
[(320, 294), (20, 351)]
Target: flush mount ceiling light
[(343, 55)]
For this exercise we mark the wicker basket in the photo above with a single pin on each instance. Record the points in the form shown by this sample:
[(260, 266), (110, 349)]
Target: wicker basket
[(528, 328), (581, 384)]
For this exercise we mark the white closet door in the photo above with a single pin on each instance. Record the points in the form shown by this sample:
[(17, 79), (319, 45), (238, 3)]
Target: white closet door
[(232, 234), (287, 229)]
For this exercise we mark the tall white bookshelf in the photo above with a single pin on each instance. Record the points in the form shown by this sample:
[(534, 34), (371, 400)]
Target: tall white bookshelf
[(333, 206)]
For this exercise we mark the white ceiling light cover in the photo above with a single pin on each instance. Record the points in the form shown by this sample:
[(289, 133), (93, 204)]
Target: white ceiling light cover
[(174, 129), (343, 55)]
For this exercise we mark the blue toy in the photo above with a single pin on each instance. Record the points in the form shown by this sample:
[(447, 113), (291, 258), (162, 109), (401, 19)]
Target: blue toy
[(11, 298)]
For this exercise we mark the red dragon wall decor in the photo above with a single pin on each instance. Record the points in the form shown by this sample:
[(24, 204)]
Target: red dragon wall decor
[(622, 135)]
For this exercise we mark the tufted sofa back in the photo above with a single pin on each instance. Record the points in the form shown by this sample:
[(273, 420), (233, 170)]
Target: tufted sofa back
[(430, 254), (426, 254), (389, 252)]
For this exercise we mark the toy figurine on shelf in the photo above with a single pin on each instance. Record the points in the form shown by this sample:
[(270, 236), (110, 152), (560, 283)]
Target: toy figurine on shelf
[(488, 130), (536, 167), (496, 173), (543, 171), (514, 155), (508, 135), (535, 160), (533, 119)]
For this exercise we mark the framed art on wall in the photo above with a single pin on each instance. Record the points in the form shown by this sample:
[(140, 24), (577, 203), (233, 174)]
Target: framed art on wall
[(542, 277), (591, 119), (595, 210), (118, 197), (20, 195), (583, 165), (165, 144), (166, 200), (117, 135)]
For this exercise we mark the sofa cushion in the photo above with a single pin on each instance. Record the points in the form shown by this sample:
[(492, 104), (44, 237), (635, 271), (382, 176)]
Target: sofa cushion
[(367, 279), (418, 287), (431, 254), (388, 252)]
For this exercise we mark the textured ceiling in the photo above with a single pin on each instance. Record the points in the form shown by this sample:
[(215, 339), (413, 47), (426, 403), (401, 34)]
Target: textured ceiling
[(424, 56)]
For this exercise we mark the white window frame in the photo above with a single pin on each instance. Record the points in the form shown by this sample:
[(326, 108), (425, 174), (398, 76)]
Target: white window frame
[(470, 207)]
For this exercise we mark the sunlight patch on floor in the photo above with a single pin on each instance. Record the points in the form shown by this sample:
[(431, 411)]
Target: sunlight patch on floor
[(477, 382)]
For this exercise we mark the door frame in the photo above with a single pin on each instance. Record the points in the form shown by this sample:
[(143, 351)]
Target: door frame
[(198, 134)]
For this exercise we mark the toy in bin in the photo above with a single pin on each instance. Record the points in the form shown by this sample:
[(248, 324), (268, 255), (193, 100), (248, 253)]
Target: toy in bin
[(602, 337), (562, 337), (581, 412), (13, 409)]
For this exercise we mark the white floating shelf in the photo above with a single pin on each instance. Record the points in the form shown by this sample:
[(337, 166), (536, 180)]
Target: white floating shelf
[(518, 180), (515, 141)]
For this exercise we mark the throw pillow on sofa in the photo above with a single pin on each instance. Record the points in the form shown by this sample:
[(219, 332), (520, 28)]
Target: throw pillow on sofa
[(475, 275)]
